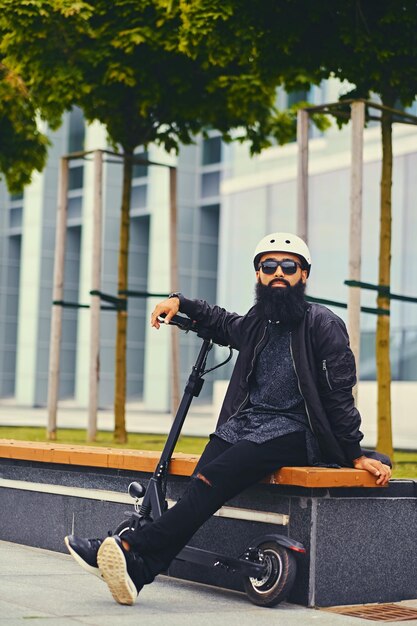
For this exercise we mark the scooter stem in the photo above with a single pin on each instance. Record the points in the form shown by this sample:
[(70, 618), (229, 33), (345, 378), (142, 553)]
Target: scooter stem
[(192, 389)]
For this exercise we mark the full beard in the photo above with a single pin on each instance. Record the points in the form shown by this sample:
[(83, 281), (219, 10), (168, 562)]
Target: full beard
[(286, 305)]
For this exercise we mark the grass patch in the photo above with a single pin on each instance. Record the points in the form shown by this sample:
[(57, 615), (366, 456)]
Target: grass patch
[(405, 463), (136, 441)]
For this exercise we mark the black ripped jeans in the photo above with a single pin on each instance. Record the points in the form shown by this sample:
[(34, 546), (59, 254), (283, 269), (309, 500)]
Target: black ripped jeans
[(224, 470)]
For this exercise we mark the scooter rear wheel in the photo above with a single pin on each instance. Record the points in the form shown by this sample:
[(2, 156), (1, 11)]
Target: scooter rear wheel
[(278, 579), (122, 528)]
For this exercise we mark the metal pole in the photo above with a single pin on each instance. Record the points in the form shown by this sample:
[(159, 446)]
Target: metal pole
[(355, 238), (95, 300), (302, 174), (175, 349), (58, 293)]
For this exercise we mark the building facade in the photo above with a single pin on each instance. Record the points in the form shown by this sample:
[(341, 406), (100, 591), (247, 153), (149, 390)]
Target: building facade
[(27, 242), (226, 202)]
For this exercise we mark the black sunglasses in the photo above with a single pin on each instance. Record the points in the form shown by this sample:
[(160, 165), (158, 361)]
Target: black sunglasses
[(288, 266)]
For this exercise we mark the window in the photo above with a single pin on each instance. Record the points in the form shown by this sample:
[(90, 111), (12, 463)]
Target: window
[(15, 217), (210, 184), (300, 95), (138, 197), (76, 177), (212, 150), (74, 207), (76, 133), (140, 169), (14, 197), (15, 210)]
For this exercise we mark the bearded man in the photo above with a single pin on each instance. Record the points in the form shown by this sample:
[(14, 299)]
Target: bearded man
[(289, 402)]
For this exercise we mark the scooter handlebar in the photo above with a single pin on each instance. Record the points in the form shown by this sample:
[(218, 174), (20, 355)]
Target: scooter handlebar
[(184, 323)]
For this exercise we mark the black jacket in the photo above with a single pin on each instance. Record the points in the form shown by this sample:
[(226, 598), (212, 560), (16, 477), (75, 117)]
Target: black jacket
[(323, 361)]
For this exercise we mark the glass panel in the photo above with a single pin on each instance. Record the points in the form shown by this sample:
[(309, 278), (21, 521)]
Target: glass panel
[(412, 109), (212, 150), (15, 196), (76, 130), (186, 218), (138, 276), (74, 207), (140, 169), (11, 297), (301, 95), (207, 257), (400, 107), (209, 224), (210, 184), (76, 177), (138, 197), (403, 353), (15, 217)]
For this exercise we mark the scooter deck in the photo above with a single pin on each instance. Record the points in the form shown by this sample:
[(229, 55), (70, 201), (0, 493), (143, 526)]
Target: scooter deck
[(242, 566)]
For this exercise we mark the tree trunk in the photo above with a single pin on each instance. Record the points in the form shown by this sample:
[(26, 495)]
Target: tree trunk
[(175, 340), (120, 435), (58, 294), (384, 428)]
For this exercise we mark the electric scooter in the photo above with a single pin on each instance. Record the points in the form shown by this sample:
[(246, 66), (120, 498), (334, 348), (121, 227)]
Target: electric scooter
[(268, 564)]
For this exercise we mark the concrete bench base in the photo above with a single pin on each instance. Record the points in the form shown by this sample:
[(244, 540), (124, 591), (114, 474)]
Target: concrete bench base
[(361, 542)]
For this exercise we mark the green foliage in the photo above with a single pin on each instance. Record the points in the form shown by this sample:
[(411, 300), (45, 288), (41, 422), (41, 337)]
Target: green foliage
[(157, 70), (284, 123), (23, 148), (374, 46), (163, 70), (271, 38)]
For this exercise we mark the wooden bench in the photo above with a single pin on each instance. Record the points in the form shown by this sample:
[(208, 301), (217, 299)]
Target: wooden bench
[(181, 464)]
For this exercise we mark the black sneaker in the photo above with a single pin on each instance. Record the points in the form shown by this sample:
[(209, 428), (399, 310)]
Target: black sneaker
[(84, 552), (123, 570)]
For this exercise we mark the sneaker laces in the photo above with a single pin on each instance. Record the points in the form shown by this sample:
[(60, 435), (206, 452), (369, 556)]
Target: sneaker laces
[(95, 543)]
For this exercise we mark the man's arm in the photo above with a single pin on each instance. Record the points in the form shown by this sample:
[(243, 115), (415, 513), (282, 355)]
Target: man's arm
[(225, 328), (337, 376)]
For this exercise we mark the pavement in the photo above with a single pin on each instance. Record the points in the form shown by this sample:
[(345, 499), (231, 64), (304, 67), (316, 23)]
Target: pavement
[(200, 420), (49, 589)]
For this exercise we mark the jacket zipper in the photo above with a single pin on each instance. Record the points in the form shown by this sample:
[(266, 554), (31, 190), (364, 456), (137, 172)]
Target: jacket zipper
[(299, 387), (326, 371), (249, 373)]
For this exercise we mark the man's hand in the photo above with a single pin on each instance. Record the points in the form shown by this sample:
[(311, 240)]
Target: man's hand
[(379, 470), (170, 307)]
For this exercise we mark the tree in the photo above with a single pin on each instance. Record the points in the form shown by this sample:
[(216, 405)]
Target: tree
[(370, 44), (23, 148), (373, 46), (124, 64)]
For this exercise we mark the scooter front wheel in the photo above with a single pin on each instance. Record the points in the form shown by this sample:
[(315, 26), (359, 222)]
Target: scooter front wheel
[(276, 584)]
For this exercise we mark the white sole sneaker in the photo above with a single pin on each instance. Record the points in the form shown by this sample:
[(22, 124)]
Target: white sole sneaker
[(112, 564), (88, 568)]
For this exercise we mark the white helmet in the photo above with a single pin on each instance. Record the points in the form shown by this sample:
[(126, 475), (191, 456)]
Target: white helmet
[(283, 242)]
